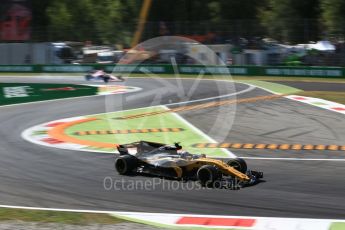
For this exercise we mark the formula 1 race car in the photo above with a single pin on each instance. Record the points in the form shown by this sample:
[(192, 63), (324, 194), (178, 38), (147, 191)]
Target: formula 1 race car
[(170, 161), (100, 75)]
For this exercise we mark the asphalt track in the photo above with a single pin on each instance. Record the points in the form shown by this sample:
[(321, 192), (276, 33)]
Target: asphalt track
[(33, 175)]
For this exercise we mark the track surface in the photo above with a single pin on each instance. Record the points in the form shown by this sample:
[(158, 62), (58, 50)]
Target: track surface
[(33, 175)]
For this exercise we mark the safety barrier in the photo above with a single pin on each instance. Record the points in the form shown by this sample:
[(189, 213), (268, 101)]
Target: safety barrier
[(330, 72)]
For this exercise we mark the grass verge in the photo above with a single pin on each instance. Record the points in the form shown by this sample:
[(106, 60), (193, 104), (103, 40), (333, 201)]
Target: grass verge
[(338, 97), (62, 217), (273, 87), (188, 135)]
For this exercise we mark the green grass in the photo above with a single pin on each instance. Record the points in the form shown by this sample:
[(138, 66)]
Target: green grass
[(8, 214), (338, 97), (187, 137), (337, 226), (274, 87), (279, 78)]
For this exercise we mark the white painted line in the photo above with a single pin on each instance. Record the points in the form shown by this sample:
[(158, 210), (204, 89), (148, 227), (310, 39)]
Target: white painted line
[(309, 101), (69, 98), (48, 101), (250, 88), (318, 102), (55, 209), (37, 139), (185, 102), (153, 213), (293, 159), (198, 131), (260, 87), (26, 134), (164, 219)]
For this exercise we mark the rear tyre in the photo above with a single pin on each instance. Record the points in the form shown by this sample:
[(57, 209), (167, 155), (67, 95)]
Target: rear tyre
[(239, 164), (120, 78), (126, 164), (106, 78), (208, 175)]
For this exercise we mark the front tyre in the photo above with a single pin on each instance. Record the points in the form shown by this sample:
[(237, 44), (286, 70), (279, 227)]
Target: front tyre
[(126, 164), (239, 164)]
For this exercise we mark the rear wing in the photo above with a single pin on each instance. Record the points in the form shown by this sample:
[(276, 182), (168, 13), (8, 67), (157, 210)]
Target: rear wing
[(138, 147)]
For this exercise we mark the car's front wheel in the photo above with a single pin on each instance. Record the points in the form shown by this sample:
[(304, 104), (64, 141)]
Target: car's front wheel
[(239, 164)]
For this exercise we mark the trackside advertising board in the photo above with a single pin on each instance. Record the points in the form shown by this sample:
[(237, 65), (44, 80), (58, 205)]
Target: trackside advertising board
[(14, 93), (331, 72)]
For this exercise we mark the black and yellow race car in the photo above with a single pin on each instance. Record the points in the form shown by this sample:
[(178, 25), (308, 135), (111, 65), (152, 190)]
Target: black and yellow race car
[(170, 161)]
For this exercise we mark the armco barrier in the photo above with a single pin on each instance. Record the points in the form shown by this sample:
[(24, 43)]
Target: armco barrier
[(18, 68), (303, 71), (332, 72)]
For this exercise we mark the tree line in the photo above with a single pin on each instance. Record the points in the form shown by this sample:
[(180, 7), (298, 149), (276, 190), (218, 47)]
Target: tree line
[(110, 21)]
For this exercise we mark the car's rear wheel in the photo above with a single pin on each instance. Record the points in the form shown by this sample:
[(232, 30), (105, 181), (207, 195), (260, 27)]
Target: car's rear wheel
[(120, 78), (239, 164), (106, 78), (126, 164), (208, 175)]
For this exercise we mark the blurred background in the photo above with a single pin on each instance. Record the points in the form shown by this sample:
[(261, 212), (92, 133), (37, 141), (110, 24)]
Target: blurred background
[(246, 32)]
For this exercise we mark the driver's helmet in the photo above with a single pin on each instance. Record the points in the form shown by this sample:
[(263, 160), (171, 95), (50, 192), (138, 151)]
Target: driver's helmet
[(168, 148), (199, 155), (186, 155)]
